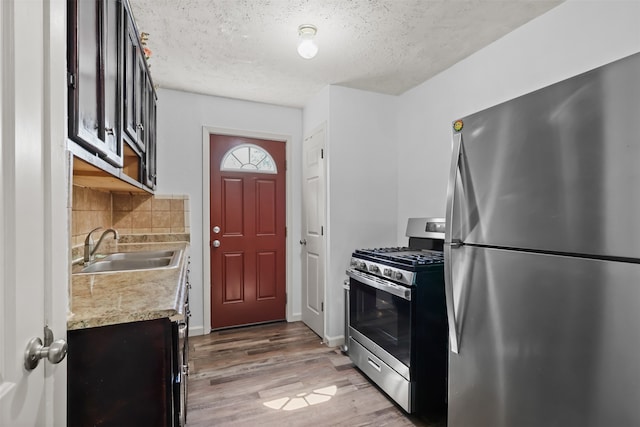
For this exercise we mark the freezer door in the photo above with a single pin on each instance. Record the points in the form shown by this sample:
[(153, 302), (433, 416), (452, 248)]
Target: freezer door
[(555, 170), (545, 340)]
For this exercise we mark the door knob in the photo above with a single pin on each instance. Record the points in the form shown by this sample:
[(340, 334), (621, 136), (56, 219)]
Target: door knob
[(54, 352), (216, 229), (216, 243), (303, 241)]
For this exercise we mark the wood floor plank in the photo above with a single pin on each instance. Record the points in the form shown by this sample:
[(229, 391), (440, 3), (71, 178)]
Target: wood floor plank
[(282, 375)]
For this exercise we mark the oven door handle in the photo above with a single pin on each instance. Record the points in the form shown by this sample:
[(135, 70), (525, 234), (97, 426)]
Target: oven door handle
[(397, 290), (449, 243)]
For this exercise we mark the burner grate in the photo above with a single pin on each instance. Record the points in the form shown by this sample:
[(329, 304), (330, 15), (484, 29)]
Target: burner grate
[(403, 256)]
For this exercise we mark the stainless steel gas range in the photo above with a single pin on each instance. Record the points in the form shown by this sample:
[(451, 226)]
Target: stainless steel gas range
[(397, 321)]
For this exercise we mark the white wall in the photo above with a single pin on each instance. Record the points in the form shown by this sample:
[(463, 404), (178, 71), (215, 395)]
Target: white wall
[(181, 116), (572, 38), (316, 112), (362, 176)]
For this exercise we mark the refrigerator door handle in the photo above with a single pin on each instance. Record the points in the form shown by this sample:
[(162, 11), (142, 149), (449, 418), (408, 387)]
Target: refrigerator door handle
[(451, 188), (450, 242), (454, 338)]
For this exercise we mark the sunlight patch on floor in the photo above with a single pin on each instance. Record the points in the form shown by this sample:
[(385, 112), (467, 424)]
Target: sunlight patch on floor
[(302, 400)]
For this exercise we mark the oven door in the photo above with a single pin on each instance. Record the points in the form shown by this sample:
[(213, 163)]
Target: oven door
[(380, 318)]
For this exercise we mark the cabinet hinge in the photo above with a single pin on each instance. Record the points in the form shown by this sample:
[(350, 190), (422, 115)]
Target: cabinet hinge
[(71, 80), (322, 153)]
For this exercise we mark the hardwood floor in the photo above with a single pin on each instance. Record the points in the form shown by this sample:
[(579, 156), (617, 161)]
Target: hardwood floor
[(281, 375)]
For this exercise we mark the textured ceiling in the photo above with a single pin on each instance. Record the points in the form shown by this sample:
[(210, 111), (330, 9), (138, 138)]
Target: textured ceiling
[(246, 49)]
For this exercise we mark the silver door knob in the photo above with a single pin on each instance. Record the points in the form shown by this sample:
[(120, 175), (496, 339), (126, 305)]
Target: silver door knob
[(216, 243), (303, 241), (36, 351), (216, 229)]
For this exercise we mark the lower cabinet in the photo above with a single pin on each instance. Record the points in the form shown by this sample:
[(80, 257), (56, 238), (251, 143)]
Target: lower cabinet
[(126, 375)]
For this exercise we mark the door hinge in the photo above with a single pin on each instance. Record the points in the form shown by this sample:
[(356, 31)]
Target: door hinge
[(71, 80), (285, 232), (285, 165), (322, 153), (322, 306), (322, 230)]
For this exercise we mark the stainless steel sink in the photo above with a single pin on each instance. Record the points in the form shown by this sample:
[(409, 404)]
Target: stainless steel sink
[(139, 255), (133, 261)]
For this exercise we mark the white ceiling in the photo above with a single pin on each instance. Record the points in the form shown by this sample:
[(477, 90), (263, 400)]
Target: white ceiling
[(246, 49)]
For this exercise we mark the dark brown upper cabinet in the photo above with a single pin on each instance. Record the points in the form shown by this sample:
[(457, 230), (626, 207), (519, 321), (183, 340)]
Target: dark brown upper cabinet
[(93, 66), (112, 102), (132, 57), (150, 165), (141, 98)]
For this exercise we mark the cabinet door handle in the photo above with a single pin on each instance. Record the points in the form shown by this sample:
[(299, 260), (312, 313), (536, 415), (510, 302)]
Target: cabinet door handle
[(182, 330), (109, 131)]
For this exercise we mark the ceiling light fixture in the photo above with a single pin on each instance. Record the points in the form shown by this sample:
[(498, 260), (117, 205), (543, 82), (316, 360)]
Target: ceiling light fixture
[(307, 47)]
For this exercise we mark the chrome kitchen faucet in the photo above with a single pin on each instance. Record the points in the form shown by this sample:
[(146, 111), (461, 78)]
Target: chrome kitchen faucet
[(90, 249)]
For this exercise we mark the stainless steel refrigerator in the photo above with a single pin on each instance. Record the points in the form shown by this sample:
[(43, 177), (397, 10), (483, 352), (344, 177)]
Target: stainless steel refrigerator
[(542, 257)]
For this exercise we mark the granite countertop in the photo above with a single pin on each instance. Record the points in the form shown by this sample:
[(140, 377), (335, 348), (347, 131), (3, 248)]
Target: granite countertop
[(111, 298)]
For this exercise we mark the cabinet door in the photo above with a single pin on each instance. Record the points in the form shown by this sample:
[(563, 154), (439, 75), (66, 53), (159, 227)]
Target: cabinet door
[(121, 375), (83, 64), (141, 99), (111, 42), (130, 64), (151, 138), (93, 70), (131, 82)]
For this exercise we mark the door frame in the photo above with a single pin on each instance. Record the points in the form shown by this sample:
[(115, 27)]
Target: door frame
[(206, 225)]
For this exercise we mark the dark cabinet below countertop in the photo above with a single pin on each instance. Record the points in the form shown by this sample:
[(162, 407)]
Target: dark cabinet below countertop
[(121, 375)]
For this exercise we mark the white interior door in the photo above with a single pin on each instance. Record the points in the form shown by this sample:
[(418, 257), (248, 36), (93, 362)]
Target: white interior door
[(34, 237), (313, 231)]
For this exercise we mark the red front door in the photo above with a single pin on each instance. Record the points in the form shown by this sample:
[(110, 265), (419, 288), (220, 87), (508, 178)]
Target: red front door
[(247, 236)]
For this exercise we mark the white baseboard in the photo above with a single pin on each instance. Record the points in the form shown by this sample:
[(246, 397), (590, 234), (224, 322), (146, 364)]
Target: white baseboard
[(296, 317), (334, 341), (196, 330)]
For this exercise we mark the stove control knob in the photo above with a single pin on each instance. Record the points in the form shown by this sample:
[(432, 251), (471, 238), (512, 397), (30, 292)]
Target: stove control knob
[(398, 275), (354, 262), (374, 269), (387, 272), (362, 265)]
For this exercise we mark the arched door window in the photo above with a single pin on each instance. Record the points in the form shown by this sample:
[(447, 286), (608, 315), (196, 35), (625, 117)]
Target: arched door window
[(248, 158)]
